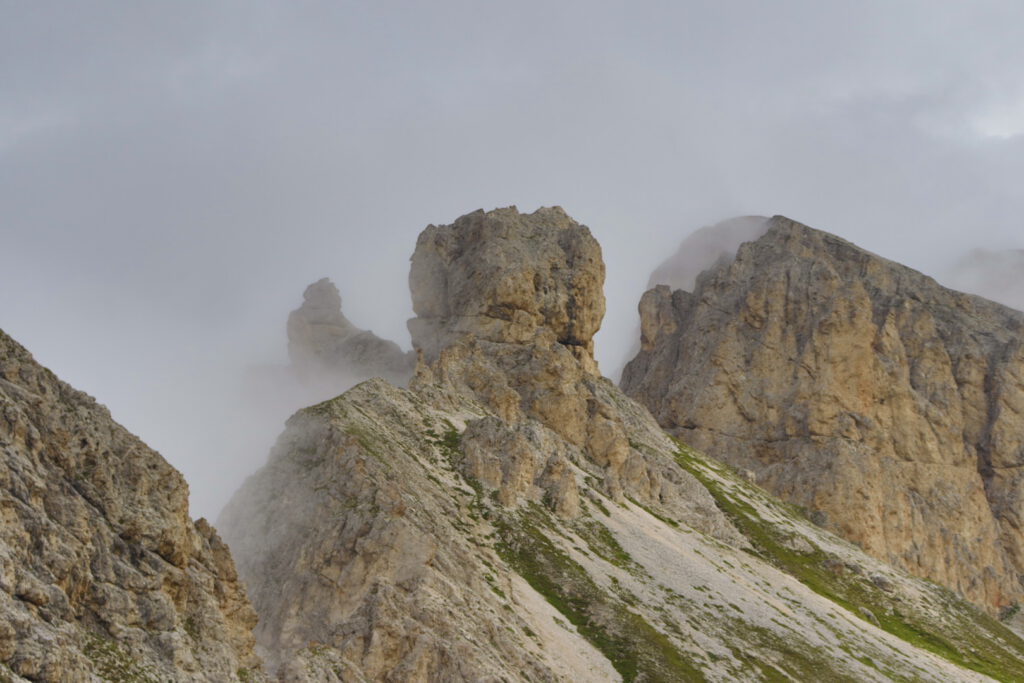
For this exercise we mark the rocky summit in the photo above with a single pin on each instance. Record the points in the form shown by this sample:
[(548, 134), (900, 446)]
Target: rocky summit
[(103, 576), (889, 408), (514, 516)]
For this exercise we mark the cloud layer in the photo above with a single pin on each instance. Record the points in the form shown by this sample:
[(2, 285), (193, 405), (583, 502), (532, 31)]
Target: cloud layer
[(172, 176)]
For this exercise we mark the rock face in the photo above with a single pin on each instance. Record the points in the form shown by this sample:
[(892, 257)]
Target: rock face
[(102, 573), (506, 277), (888, 406), (513, 516), (326, 348), (507, 307), (699, 251)]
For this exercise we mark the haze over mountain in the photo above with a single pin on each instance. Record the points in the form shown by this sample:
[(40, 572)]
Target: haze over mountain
[(173, 177)]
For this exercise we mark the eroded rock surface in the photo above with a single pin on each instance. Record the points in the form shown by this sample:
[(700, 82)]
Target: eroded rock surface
[(102, 573), (325, 347), (507, 307), (888, 406)]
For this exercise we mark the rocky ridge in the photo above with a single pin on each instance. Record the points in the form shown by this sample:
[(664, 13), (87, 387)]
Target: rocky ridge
[(886, 405), (102, 573), (514, 516)]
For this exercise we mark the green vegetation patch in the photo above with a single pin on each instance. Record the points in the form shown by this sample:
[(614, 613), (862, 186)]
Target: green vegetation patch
[(603, 544), (965, 635), (449, 442), (665, 520), (114, 664), (636, 649)]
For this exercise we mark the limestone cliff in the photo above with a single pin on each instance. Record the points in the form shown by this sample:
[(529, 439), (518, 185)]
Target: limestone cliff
[(325, 347), (886, 405), (513, 516), (102, 573)]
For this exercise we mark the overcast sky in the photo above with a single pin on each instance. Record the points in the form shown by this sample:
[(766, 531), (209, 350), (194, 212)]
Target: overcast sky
[(173, 174)]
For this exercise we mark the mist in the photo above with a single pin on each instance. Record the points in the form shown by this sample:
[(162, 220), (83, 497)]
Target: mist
[(172, 176)]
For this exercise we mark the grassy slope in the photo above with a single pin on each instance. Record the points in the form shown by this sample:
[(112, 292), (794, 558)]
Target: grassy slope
[(955, 630)]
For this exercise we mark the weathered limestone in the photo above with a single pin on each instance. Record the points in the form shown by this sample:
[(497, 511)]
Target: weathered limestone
[(888, 406), (507, 307), (513, 516), (102, 573)]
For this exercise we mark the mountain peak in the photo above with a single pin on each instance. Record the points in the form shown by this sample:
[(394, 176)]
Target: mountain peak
[(857, 388), (504, 276)]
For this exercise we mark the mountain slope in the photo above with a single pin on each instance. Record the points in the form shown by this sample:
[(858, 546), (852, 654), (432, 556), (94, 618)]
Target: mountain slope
[(102, 573)]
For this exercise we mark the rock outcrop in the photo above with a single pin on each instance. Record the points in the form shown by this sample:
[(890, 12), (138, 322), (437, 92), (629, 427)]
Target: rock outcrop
[(513, 516), (325, 347), (507, 307), (889, 407), (102, 573)]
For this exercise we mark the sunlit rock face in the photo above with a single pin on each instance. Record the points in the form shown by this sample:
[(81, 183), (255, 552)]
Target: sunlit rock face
[(888, 406), (325, 347), (102, 573)]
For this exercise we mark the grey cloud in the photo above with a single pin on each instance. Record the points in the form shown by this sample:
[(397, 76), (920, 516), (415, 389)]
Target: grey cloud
[(173, 175)]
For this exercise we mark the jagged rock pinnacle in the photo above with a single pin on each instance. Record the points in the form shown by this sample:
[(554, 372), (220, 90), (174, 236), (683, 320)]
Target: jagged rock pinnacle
[(503, 276)]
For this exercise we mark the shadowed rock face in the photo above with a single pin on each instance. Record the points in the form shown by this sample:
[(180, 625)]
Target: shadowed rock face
[(102, 573), (890, 407), (326, 348)]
